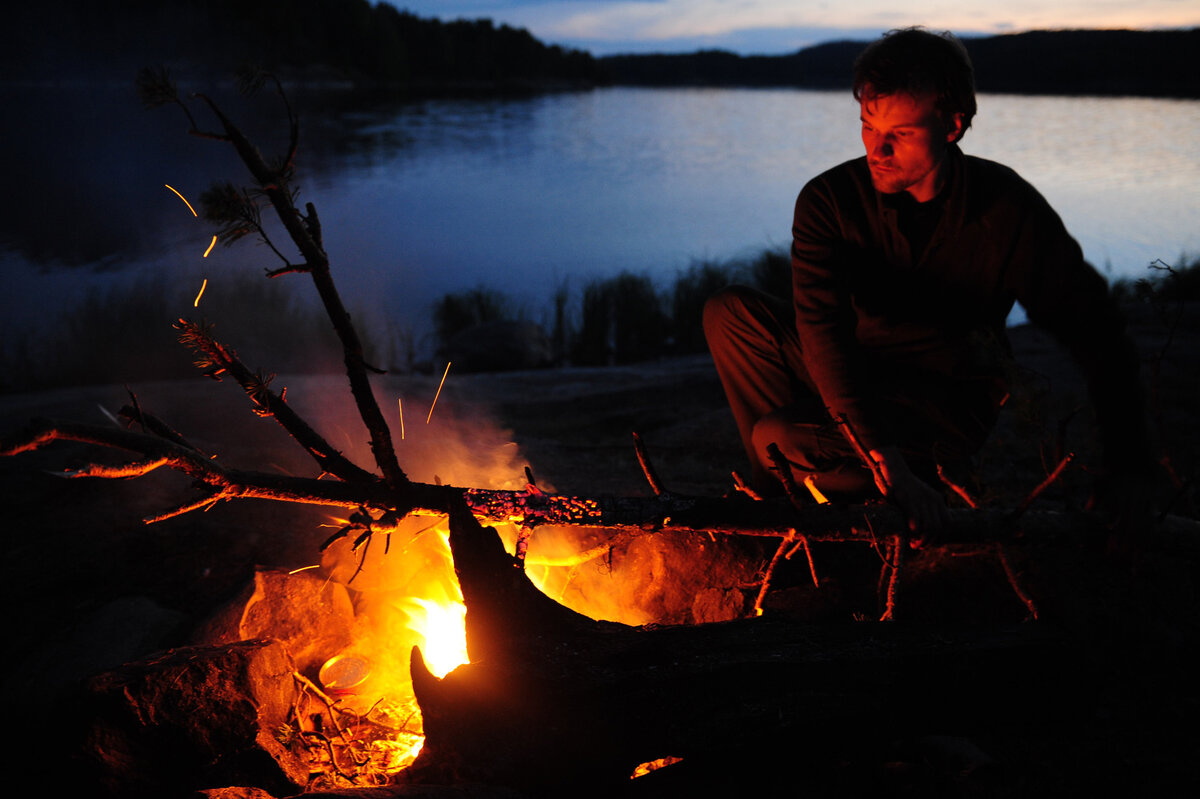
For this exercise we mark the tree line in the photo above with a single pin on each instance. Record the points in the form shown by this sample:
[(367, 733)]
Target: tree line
[(377, 44), (324, 40), (1098, 62)]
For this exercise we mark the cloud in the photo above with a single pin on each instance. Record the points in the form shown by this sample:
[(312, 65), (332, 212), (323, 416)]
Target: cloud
[(775, 26)]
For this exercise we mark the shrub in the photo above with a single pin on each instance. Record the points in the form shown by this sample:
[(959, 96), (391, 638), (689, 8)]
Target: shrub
[(623, 321), (456, 312), (692, 289), (125, 334)]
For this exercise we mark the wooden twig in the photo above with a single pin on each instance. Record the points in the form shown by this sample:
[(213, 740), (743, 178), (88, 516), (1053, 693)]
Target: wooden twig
[(893, 587), (121, 471), (740, 485), (864, 456), (1023, 595), (785, 474), (204, 503), (812, 567), (1042, 486), (268, 403), (810, 482), (639, 449), (150, 423), (766, 581), (962, 492)]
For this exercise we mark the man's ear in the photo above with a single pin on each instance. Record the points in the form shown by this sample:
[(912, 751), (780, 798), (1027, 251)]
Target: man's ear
[(954, 128)]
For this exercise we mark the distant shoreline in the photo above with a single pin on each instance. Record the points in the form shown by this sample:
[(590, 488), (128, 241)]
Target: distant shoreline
[(1071, 62)]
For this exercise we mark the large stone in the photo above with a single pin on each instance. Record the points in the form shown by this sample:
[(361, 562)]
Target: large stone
[(312, 615), (194, 718)]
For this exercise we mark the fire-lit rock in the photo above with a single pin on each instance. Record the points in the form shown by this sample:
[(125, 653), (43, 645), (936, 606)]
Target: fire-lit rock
[(311, 615), (196, 717)]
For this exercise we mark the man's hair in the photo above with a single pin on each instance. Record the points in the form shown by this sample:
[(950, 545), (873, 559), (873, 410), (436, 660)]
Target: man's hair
[(920, 63)]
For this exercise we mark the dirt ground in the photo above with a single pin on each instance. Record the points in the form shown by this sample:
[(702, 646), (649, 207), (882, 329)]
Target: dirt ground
[(78, 552)]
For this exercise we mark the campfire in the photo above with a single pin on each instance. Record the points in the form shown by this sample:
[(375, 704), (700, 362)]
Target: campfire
[(576, 645)]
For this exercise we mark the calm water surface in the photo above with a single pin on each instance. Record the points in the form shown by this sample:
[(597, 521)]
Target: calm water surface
[(527, 195)]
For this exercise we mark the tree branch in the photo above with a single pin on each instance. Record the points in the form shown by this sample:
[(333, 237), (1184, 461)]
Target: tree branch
[(637, 515), (274, 186), (268, 403)]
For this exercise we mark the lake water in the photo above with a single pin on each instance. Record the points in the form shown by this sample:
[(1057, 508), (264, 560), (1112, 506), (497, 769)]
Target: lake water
[(527, 195)]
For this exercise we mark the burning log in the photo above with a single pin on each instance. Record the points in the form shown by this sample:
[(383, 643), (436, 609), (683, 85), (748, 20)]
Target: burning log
[(554, 701)]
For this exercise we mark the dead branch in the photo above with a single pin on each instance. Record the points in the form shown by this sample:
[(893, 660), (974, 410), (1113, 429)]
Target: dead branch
[(306, 237), (268, 403), (639, 449), (636, 515)]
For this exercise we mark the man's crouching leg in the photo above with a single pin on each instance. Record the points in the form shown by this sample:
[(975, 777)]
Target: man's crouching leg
[(757, 355), (815, 449)]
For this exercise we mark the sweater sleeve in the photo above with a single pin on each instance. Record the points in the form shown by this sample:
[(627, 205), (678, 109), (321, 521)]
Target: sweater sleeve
[(1067, 297), (825, 315)]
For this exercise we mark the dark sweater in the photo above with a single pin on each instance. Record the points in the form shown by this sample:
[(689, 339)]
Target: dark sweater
[(870, 316)]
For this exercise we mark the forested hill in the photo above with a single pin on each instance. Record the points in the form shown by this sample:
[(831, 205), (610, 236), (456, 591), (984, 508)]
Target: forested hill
[(320, 40), (374, 43), (1146, 63)]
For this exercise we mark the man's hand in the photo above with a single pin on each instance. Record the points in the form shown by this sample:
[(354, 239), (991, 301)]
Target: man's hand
[(925, 508)]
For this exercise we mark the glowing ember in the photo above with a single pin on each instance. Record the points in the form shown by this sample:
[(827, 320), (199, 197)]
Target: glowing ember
[(654, 765)]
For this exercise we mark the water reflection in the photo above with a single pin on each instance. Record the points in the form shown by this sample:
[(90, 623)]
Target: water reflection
[(422, 198)]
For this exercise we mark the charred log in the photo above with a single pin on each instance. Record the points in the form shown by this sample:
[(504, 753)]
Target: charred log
[(554, 701)]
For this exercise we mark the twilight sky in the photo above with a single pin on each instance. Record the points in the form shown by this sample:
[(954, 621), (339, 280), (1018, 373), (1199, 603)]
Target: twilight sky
[(780, 26)]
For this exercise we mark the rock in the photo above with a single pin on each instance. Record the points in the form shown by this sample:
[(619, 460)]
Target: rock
[(499, 346), (311, 615), (233, 793), (193, 718)]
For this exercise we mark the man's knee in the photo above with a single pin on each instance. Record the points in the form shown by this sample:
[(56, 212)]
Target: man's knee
[(799, 443), (722, 308)]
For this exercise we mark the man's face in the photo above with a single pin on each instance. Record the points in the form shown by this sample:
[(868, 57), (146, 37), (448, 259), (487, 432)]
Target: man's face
[(906, 140)]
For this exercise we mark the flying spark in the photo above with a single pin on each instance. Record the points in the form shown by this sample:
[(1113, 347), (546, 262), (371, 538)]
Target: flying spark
[(211, 244), (203, 286), (180, 196), (438, 394), (400, 405), (305, 568)]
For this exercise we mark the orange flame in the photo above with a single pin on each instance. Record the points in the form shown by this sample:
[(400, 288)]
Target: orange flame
[(442, 628)]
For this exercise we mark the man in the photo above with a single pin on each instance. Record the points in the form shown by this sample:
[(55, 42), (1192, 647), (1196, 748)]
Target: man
[(906, 263)]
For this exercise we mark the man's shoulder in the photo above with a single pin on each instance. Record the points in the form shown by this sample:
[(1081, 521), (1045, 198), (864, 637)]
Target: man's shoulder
[(849, 179), (853, 171), (990, 176)]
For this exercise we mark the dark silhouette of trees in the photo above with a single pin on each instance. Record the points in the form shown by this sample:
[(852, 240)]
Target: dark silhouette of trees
[(1145, 63), (342, 40)]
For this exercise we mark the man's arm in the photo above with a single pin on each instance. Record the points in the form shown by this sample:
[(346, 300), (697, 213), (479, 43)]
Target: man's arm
[(825, 323), (924, 507)]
